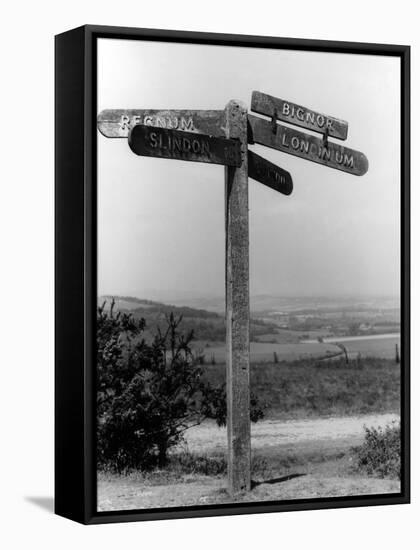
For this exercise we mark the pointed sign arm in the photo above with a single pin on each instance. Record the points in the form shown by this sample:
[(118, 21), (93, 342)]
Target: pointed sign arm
[(149, 141), (267, 173), (116, 123), (298, 115), (291, 141)]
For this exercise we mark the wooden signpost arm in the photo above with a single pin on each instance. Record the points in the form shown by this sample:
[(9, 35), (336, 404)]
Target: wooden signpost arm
[(237, 306)]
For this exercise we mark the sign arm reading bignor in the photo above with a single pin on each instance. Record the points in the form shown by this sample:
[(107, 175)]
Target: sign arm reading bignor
[(300, 144), (298, 115)]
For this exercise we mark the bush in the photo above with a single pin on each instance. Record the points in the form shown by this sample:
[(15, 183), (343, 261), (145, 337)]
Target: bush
[(146, 395), (380, 454), (149, 394)]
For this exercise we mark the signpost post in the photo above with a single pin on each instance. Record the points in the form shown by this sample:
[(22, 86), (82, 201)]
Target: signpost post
[(222, 137), (237, 306)]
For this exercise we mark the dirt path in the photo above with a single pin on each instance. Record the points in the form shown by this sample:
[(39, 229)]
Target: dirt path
[(272, 433), (132, 494), (321, 470)]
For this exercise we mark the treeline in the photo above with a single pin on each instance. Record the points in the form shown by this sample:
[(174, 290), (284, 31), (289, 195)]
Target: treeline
[(211, 330), (163, 309), (151, 307), (206, 325)]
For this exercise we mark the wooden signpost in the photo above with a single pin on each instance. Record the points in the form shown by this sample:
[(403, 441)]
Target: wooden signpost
[(222, 137)]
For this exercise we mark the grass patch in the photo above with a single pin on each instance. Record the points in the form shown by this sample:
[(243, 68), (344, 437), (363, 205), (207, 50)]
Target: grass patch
[(186, 464), (310, 388)]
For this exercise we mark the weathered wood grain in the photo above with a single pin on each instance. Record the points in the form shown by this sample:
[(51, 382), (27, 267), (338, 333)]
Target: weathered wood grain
[(291, 141), (298, 115), (116, 123), (269, 174), (148, 141), (237, 307)]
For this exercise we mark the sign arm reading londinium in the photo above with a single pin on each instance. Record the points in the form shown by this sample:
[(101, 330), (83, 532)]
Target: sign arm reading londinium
[(291, 141)]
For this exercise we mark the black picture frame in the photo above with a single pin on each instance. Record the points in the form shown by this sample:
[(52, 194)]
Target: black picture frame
[(76, 270)]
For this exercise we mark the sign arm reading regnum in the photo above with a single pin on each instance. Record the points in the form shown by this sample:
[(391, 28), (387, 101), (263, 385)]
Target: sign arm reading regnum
[(222, 137), (117, 123)]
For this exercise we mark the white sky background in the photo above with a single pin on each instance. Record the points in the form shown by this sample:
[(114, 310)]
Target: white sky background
[(161, 222)]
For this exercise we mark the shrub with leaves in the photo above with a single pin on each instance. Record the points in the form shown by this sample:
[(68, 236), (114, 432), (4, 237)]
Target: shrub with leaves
[(149, 394), (380, 454), (215, 406)]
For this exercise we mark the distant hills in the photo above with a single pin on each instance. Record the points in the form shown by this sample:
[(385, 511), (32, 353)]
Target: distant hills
[(264, 303), (207, 325), (130, 303)]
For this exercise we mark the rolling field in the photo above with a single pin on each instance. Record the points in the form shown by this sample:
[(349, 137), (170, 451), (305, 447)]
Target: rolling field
[(309, 388), (264, 351), (374, 347)]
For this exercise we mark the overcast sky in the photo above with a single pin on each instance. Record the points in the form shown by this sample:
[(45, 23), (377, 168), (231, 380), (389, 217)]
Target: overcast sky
[(161, 222)]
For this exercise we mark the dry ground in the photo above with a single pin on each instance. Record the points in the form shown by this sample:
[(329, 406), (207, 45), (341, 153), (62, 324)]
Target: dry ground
[(305, 459)]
